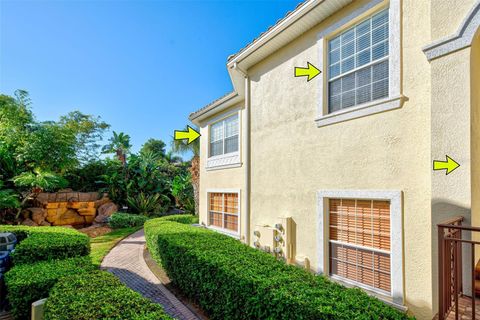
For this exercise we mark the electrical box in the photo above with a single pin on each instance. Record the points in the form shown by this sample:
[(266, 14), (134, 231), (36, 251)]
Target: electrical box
[(264, 238), (278, 239)]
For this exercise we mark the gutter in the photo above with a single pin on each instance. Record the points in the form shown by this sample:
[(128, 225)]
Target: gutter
[(246, 148)]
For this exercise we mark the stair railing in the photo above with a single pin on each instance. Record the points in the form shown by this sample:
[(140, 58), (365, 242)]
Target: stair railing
[(450, 277)]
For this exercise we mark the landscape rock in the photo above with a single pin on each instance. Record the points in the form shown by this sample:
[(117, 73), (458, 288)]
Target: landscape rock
[(45, 224), (105, 211), (38, 215), (29, 222), (102, 201)]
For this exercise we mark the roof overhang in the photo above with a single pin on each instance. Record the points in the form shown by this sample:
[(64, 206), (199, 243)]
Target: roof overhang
[(223, 103), (307, 15)]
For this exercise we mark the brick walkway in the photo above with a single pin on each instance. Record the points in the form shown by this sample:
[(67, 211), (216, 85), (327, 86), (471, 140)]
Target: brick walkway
[(126, 262)]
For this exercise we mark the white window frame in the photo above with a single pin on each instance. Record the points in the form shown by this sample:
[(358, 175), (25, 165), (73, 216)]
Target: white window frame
[(235, 234), (226, 160), (396, 237), (395, 99)]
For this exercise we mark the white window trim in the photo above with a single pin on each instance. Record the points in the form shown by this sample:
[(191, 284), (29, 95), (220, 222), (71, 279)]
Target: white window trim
[(222, 230), (395, 99), (396, 234), (227, 160)]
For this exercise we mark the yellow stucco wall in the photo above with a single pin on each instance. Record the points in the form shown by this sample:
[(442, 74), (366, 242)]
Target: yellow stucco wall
[(475, 128), (291, 159), (447, 16), (231, 178)]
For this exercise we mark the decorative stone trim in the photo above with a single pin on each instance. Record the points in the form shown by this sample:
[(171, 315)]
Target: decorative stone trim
[(461, 39)]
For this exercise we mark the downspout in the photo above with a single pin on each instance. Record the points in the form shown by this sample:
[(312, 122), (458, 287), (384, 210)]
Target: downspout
[(246, 148)]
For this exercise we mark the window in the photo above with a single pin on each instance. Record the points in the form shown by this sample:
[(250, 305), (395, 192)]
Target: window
[(223, 211), (359, 242), (224, 136), (358, 64)]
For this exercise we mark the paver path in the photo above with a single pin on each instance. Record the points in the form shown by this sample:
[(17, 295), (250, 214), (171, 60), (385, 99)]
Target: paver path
[(126, 262)]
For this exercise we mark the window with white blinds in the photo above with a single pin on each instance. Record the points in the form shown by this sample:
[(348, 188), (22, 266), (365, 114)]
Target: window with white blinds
[(360, 244), (358, 70), (224, 136)]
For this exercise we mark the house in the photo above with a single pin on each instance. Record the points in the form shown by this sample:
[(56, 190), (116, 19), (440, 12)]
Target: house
[(345, 159)]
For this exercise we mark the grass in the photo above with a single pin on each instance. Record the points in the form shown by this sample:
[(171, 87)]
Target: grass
[(101, 245)]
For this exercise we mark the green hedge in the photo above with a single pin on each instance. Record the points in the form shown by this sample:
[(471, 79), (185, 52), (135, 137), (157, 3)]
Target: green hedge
[(181, 218), (230, 280), (30, 282), (98, 295), (47, 243), (126, 220)]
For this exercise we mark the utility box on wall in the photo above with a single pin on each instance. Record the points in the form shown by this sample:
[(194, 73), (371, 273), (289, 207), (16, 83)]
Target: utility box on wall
[(278, 239)]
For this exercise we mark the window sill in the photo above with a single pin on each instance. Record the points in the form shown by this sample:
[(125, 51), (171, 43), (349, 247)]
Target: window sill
[(370, 291), (232, 234), (229, 160), (360, 111)]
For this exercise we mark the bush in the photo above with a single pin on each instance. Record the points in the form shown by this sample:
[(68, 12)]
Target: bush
[(230, 280), (98, 295), (126, 220), (47, 243), (152, 237), (30, 282), (181, 218)]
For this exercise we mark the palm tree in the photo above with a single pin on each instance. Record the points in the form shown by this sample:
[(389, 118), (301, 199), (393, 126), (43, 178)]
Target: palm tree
[(182, 147), (172, 158), (120, 145)]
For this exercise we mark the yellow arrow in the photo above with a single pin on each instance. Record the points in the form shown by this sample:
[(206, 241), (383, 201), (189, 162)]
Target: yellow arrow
[(190, 134), (449, 165), (310, 71)]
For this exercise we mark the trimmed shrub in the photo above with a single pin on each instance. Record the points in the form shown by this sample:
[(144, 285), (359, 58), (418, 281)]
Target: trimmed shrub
[(47, 243), (23, 231), (230, 280), (181, 218), (98, 295), (126, 220), (152, 237), (30, 282)]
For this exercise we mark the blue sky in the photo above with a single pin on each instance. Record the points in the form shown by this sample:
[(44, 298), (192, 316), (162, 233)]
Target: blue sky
[(143, 66)]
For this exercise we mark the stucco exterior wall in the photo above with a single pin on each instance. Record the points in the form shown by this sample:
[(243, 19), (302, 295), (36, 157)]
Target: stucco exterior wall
[(447, 16), (475, 129), (231, 178), (292, 159)]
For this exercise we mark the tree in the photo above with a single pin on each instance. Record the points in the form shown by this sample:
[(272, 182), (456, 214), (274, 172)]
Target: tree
[(88, 131), (16, 120), (182, 147), (49, 147), (120, 145), (170, 157), (156, 146)]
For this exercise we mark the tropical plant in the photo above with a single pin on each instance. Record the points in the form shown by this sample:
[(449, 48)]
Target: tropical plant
[(183, 147), (8, 198), (88, 176), (40, 180), (182, 190), (155, 146), (35, 182), (146, 204), (119, 144)]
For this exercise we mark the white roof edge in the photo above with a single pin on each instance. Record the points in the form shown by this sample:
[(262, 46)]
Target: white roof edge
[(275, 30), (221, 104)]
